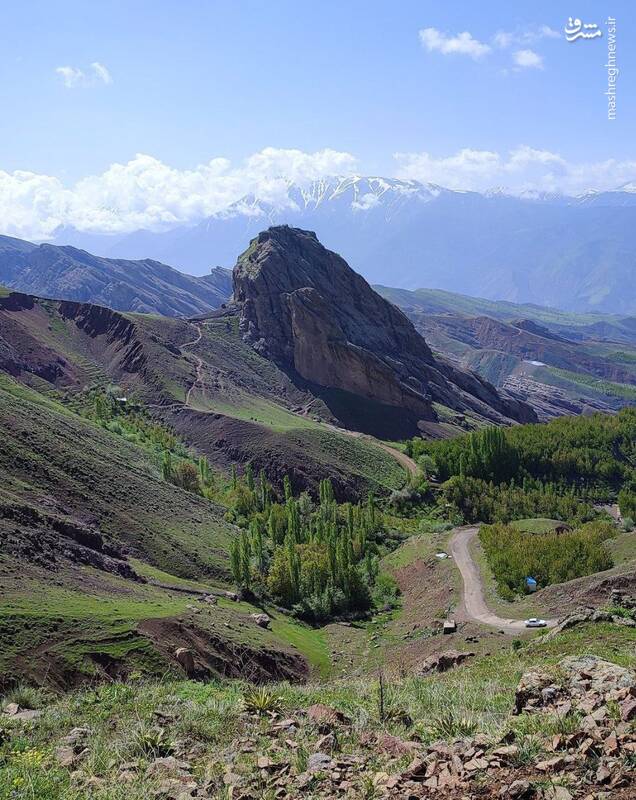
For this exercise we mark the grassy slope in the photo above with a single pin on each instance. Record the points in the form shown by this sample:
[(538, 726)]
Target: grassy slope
[(209, 718), (49, 452), (241, 385), (82, 618)]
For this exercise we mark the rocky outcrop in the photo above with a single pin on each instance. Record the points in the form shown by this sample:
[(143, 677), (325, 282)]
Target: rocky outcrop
[(442, 662), (304, 308), (53, 541), (119, 331), (583, 683)]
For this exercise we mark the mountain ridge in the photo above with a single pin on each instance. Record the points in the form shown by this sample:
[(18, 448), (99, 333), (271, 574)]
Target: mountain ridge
[(145, 286), (574, 253)]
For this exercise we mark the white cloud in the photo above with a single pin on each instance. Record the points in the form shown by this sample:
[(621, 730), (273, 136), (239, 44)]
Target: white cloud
[(462, 43), (146, 193), (526, 36), (522, 169), (101, 72), (73, 77), (366, 202), (527, 59)]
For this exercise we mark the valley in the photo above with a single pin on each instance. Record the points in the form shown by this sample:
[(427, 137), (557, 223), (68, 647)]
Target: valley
[(214, 523)]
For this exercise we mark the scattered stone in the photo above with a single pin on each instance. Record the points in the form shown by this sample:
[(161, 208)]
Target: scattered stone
[(168, 765), (326, 742), (396, 747), (518, 790), (628, 709), (262, 620), (77, 736), (318, 761), (65, 756)]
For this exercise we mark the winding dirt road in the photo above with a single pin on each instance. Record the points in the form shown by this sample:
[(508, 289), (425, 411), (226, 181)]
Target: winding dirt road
[(199, 373), (474, 603)]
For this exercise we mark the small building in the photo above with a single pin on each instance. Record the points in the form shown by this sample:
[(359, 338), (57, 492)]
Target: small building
[(531, 584), (449, 626)]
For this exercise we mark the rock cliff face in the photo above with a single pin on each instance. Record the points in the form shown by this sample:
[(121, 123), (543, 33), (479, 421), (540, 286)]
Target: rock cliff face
[(304, 308)]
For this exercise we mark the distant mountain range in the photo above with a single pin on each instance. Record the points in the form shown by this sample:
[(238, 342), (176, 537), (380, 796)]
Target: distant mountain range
[(561, 362), (144, 286), (578, 254)]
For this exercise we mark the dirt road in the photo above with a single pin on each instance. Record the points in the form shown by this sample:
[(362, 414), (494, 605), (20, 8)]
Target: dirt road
[(473, 596), (199, 373)]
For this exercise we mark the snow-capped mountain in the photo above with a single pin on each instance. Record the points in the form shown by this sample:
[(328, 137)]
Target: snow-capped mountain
[(541, 247)]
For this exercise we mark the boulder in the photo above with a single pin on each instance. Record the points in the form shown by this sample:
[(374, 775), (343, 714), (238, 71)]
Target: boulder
[(262, 620), (325, 716), (441, 662), (185, 657), (318, 761)]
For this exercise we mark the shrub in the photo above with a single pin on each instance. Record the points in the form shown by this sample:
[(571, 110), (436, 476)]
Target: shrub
[(28, 697), (152, 742), (450, 726), (261, 700)]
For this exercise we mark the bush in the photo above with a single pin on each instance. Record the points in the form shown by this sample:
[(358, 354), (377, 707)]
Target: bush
[(386, 592), (152, 742)]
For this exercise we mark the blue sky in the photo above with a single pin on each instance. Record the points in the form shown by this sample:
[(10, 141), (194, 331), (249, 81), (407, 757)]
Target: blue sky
[(185, 83)]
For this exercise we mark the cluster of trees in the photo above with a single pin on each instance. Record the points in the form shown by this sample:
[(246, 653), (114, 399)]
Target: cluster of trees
[(556, 470), (597, 453), (127, 419), (195, 477), (485, 454), (319, 559), (476, 500), (547, 557)]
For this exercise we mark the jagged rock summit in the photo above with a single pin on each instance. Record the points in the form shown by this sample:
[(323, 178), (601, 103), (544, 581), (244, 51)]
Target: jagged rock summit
[(304, 308)]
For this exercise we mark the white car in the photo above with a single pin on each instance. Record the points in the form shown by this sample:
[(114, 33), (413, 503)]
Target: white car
[(534, 622)]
